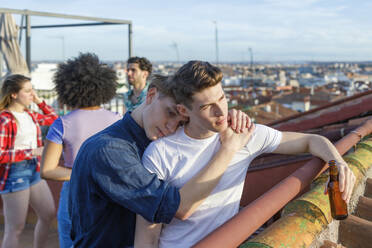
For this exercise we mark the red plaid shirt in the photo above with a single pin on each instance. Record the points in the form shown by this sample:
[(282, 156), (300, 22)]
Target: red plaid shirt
[(8, 132)]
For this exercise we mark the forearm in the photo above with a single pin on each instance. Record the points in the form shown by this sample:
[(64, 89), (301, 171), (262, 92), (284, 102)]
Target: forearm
[(321, 147), (48, 116), (147, 234), (59, 173), (205, 181), (50, 163)]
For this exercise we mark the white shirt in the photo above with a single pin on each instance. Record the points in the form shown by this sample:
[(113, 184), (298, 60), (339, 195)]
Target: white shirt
[(177, 158), (26, 137)]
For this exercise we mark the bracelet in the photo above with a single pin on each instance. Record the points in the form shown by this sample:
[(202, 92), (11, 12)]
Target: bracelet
[(357, 133)]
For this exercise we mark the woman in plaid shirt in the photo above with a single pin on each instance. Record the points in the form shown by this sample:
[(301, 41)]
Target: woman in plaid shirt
[(20, 147)]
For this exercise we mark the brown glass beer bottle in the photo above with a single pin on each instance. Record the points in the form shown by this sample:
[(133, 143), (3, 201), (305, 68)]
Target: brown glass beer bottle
[(338, 205)]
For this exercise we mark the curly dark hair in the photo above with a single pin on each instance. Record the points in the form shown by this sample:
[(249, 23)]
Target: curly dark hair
[(85, 82), (143, 63)]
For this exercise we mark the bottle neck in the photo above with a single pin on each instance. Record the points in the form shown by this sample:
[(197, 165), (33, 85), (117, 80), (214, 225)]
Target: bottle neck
[(333, 173), (333, 178)]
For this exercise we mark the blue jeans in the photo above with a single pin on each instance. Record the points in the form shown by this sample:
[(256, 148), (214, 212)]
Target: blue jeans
[(64, 221), (22, 175)]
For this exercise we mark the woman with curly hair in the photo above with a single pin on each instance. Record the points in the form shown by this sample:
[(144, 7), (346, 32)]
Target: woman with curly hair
[(20, 148), (83, 84)]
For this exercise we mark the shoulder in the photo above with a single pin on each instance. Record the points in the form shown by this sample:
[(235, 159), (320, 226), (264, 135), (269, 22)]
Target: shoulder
[(5, 117), (104, 143), (166, 143), (155, 147), (162, 150), (71, 113), (111, 114), (262, 131), (161, 145), (103, 150), (155, 159), (264, 139), (104, 153), (55, 132)]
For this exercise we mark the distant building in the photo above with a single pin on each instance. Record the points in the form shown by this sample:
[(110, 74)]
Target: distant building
[(294, 83), (336, 77), (42, 76), (306, 70), (122, 80), (269, 112), (304, 99), (296, 102), (282, 78), (229, 81)]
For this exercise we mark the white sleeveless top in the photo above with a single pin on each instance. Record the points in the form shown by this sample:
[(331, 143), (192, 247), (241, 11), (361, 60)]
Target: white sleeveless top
[(26, 137)]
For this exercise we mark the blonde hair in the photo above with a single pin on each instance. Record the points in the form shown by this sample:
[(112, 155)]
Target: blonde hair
[(12, 84)]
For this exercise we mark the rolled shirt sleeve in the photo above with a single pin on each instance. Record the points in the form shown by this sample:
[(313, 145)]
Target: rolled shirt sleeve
[(124, 180)]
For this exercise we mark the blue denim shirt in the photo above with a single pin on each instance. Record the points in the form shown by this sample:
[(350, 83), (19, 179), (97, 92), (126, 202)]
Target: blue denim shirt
[(109, 185)]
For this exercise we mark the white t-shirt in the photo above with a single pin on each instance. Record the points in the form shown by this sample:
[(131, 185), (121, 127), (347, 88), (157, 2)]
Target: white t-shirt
[(26, 137), (177, 158)]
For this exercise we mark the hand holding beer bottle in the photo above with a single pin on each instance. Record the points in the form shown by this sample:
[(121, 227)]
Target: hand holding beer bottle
[(338, 205)]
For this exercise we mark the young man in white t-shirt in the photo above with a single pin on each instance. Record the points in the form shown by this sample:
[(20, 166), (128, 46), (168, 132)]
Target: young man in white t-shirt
[(177, 158)]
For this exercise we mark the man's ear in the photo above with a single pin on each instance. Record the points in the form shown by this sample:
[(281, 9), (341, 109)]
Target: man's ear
[(151, 94), (182, 110), (145, 74)]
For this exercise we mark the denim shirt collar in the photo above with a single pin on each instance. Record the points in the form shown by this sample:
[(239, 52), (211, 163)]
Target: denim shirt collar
[(141, 98), (129, 124)]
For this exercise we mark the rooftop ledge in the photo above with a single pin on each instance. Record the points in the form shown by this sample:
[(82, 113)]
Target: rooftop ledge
[(304, 218)]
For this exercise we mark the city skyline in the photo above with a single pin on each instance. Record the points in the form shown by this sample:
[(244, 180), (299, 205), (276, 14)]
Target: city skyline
[(285, 30)]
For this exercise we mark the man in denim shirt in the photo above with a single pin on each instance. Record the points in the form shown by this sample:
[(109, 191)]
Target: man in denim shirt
[(109, 184)]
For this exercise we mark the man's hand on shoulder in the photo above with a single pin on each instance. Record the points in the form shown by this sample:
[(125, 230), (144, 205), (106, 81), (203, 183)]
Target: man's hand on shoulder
[(233, 141), (238, 120)]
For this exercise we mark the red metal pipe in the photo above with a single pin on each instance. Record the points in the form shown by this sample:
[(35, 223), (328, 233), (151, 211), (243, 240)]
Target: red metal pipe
[(247, 221), (332, 114), (285, 120)]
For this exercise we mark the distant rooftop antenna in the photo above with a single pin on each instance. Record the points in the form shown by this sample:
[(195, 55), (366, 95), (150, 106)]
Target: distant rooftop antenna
[(175, 46), (216, 40), (251, 55)]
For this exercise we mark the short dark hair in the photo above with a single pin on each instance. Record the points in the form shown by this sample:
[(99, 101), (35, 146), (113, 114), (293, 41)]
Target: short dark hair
[(194, 77), (85, 82), (163, 84), (143, 63)]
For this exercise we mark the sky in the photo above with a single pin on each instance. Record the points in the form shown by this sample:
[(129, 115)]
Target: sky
[(273, 30)]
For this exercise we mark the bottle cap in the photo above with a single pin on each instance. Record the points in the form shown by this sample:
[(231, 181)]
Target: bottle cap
[(332, 163)]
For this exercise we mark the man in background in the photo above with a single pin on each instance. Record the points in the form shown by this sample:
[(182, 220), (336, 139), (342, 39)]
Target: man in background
[(138, 71)]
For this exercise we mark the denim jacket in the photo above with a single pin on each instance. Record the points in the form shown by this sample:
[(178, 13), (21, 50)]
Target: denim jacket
[(109, 185)]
